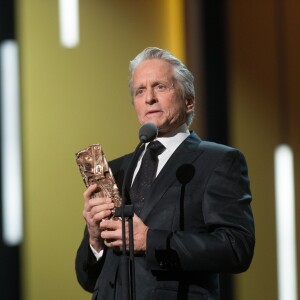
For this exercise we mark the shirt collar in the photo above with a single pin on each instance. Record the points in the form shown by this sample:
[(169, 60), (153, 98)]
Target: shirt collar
[(175, 137)]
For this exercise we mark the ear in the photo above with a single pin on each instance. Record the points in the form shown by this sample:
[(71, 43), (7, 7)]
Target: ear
[(189, 104)]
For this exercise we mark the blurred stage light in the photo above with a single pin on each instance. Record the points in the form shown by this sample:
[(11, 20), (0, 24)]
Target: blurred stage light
[(11, 144), (69, 23), (285, 223)]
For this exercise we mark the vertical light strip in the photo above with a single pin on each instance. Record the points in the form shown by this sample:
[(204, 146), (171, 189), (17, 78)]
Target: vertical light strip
[(11, 144), (69, 22), (175, 24), (285, 223)]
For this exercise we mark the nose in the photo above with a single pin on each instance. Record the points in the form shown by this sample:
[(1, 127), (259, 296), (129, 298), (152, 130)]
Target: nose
[(150, 96)]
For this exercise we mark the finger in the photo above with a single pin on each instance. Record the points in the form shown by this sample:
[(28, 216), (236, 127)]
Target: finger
[(111, 224), (104, 214), (98, 201), (95, 209), (109, 243), (111, 234), (96, 218), (96, 205), (113, 243), (89, 191)]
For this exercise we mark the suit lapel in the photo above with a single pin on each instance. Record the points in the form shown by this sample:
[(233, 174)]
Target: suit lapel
[(186, 153)]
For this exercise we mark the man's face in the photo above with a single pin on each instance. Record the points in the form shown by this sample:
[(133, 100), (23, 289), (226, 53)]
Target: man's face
[(156, 96)]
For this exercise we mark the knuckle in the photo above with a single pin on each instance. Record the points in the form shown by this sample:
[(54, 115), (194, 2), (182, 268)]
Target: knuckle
[(93, 210)]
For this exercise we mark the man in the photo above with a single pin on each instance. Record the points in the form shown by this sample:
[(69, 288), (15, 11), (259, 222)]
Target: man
[(193, 223)]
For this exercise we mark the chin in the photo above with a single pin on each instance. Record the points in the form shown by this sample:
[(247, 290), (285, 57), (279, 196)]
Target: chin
[(152, 121)]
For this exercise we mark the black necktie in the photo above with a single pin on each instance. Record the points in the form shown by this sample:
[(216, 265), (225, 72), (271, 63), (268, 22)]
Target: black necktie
[(145, 175)]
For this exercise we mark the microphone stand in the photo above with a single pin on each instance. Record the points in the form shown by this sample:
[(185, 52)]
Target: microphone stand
[(126, 211), (147, 133)]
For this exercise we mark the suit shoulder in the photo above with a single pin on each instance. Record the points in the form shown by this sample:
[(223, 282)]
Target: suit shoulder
[(212, 146), (219, 150), (219, 153), (204, 145)]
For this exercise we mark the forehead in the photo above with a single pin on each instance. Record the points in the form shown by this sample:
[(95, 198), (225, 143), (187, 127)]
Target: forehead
[(152, 70)]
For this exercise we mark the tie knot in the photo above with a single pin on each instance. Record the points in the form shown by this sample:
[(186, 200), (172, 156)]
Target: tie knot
[(156, 148)]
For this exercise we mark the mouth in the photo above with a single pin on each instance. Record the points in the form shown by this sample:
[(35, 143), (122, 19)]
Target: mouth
[(153, 113)]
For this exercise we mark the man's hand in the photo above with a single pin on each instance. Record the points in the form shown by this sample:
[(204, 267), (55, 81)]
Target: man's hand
[(111, 233), (95, 209)]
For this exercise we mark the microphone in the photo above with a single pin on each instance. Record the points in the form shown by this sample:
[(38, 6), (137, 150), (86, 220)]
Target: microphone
[(148, 132)]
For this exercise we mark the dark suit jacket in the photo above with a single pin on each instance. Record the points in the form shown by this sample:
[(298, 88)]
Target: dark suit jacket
[(201, 224)]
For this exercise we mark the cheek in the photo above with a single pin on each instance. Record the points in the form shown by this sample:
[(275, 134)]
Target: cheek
[(138, 110), (137, 107), (176, 110)]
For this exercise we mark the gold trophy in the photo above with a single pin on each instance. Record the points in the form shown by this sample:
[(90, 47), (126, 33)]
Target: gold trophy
[(94, 168)]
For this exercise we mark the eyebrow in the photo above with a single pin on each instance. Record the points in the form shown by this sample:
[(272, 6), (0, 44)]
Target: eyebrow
[(156, 82)]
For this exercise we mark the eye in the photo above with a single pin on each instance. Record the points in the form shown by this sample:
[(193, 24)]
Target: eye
[(161, 87), (139, 91)]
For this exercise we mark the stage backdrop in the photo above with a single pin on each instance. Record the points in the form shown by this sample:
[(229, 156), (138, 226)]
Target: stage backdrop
[(72, 98)]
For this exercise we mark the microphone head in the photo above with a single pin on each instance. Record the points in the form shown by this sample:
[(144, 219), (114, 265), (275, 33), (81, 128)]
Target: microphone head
[(148, 132)]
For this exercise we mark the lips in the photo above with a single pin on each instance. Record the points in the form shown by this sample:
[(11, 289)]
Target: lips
[(153, 112)]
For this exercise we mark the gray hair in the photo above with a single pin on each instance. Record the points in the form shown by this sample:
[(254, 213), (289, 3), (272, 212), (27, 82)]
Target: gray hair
[(183, 76)]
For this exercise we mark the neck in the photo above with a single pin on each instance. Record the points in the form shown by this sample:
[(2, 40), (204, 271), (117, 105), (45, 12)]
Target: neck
[(181, 128)]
